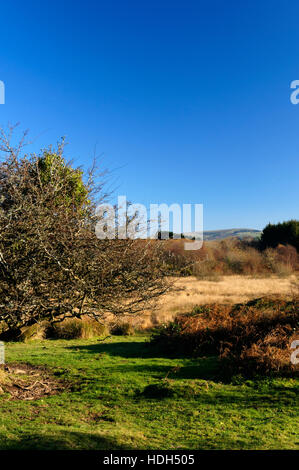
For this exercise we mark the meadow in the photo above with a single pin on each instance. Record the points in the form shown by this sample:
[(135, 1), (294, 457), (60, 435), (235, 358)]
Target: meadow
[(189, 291), (85, 387), (125, 395)]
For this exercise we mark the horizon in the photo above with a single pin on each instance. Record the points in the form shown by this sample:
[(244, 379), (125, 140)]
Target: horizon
[(185, 103)]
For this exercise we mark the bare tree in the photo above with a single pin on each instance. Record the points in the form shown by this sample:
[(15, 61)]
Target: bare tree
[(52, 265)]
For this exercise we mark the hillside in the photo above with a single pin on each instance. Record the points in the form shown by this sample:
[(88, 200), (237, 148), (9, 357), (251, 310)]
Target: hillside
[(210, 235)]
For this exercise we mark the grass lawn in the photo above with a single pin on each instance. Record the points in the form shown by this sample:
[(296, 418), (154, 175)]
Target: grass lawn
[(110, 407)]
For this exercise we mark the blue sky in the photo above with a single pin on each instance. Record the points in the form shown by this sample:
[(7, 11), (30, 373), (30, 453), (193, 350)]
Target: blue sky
[(189, 102)]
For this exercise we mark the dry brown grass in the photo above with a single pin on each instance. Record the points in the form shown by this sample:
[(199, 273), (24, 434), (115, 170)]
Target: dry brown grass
[(190, 291), (4, 379), (252, 337), (227, 257), (187, 292)]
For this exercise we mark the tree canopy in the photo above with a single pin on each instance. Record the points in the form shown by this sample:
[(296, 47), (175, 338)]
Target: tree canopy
[(285, 233), (52, 265)]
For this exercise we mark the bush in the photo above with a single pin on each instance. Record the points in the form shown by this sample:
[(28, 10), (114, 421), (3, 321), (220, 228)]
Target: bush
[(74, 328), (67, 329), (206, 269), (122, 329), (251, 338), (230, 256), (282, 261), (34, 332)]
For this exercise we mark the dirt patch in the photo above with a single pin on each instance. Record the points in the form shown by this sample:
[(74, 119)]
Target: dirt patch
[(28, 382)]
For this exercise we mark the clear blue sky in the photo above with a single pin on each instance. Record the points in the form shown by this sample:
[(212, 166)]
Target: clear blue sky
[(188, 100)]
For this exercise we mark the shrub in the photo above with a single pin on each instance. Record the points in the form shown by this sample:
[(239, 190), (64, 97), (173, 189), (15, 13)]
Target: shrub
[(229, 256), (122, 329), (75, 328), (252, 337), (205, 269), (33, 332)]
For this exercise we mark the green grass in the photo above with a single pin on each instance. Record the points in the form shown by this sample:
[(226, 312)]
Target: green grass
[(118, 402)]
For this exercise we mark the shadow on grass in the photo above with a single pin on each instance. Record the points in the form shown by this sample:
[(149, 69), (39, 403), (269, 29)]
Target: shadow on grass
[(63, 441), (204, 369), (206, 395), (88, 442), (198, 368), (121, 349), (131, 350)]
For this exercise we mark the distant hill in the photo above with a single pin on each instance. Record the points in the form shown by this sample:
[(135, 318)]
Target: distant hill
[(213, 235)]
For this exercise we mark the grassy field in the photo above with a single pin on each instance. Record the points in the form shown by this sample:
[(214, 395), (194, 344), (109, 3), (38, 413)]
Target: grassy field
[(190, 291), (116, 402)]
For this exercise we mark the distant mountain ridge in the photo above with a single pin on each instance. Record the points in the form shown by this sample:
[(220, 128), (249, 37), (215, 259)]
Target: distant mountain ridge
[(210, 235), (213, 235)]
